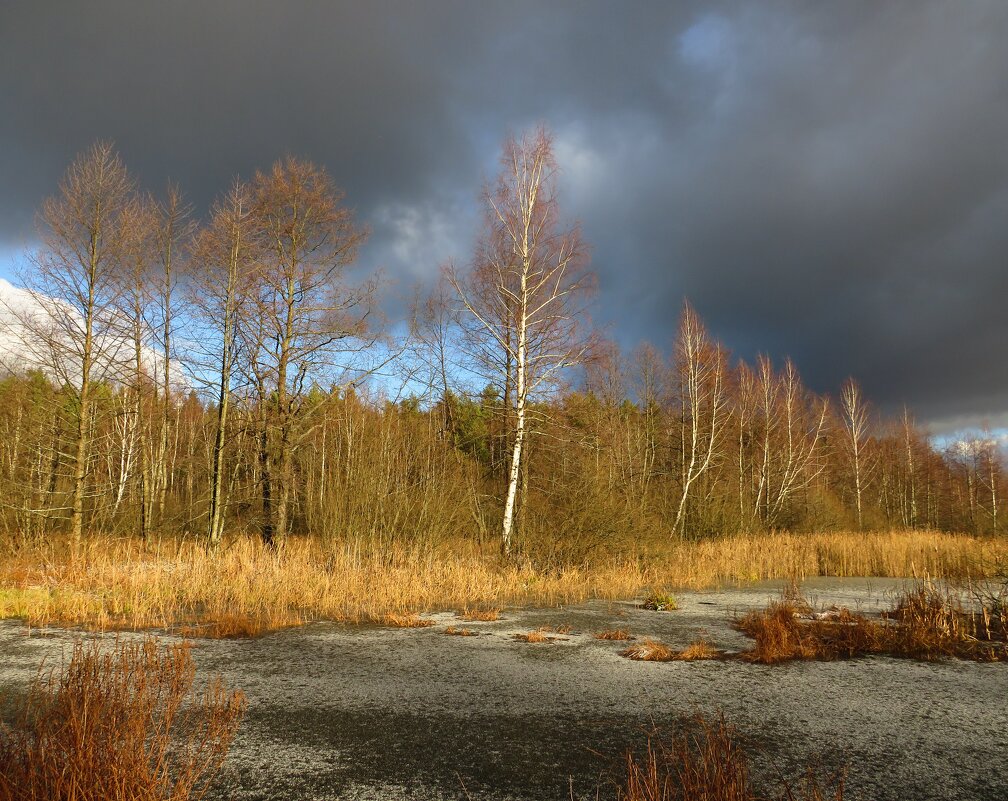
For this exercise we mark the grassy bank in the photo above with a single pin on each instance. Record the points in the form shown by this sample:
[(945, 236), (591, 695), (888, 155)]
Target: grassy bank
[(247, 588)]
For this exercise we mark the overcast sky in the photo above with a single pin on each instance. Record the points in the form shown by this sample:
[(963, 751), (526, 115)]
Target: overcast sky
[(825, 180)]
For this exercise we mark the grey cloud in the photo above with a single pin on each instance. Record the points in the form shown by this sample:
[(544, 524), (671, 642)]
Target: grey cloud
[(824, 180)]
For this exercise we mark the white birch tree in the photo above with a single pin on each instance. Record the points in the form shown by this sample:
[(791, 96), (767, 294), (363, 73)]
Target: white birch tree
[(527, 290)]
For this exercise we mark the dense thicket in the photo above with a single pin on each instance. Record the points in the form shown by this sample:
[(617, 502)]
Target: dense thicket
[(227, 378)]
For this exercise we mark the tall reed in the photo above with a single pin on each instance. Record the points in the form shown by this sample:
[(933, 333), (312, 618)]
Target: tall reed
[(248, 587)]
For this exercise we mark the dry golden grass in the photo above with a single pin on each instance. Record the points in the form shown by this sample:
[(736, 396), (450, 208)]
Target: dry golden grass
[(224, 626), (456, 632), (118, 725), (613, 634), (935, 623), (248, 588)]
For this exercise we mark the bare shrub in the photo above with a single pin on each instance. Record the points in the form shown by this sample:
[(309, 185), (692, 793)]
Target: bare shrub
[(119, 724), (706, 763)]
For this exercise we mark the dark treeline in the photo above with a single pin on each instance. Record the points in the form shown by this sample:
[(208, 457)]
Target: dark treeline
[(170, 377)]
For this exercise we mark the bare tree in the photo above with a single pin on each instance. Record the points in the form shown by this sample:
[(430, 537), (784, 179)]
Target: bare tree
[(529, 290), (650, 375), (745, 404), (136, 276), (224, 254), (309, 315), (173, 231), (789, 428), (434, 331), (72, 328), (992, 473), (604, 374), (908, 430)]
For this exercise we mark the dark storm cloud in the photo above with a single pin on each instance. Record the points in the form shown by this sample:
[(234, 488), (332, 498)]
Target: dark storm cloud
[(825, 180)]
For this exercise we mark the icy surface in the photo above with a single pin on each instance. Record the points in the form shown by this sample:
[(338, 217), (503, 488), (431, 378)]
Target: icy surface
[(378, 713)]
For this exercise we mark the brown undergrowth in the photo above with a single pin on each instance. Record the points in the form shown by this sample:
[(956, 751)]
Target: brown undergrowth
[(707, 762), (927, 623), (247, 588), (118, 724)]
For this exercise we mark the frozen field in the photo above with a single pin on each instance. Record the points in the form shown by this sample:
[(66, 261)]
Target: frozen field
[(365, 712)]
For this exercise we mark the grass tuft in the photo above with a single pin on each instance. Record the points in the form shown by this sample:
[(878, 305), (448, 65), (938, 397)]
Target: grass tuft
[(457, 632), (707, 764), (613, 634), (697, 651), (654, 651), (660, 602), (541, 634), (649, 651)]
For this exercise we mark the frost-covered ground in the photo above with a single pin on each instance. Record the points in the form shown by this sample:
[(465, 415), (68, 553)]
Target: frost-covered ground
[(343, 712)]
